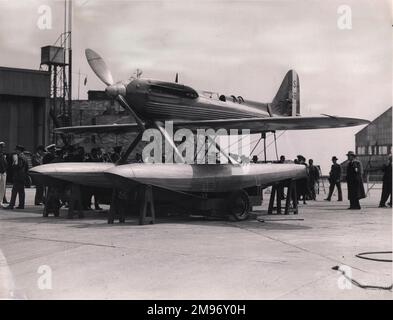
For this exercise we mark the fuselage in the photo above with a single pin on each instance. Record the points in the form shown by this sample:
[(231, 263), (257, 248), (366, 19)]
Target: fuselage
[(160, 100)]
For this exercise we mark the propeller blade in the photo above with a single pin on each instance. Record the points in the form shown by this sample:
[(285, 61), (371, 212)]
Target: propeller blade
[(98, 65), (125, 105), (117, 90)]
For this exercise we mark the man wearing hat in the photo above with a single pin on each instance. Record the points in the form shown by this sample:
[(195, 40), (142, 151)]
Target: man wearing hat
[(50, 154), (335, 180), (19, 175), (3, 171), (354, 181), (37, 161), (313, 179), (302, 184), (387, 184), (116, 155)]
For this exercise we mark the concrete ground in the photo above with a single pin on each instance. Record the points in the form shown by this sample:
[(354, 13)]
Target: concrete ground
[(193, 258)]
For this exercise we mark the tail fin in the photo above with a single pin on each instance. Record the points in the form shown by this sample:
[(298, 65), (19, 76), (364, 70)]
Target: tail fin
[(287, 100)]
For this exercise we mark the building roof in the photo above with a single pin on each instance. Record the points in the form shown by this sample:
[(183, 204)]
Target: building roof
[(382, 115), (24, 82), (378, 132)]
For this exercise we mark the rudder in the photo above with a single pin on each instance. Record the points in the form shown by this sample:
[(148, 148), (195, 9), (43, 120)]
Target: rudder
[(287, 100)]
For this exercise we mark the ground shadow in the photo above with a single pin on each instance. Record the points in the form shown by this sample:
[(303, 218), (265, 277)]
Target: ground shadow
[(98, 219)]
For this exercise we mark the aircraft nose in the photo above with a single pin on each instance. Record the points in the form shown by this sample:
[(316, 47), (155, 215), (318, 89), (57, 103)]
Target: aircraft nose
[(116, 89)]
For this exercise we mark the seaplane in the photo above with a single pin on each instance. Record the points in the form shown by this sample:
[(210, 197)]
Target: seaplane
[(230, 185)]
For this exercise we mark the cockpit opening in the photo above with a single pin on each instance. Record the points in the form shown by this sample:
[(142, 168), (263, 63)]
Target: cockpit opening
[(222, 97), (173, 90)]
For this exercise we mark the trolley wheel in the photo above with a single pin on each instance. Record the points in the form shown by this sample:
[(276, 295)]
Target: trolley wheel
[(239, 205)]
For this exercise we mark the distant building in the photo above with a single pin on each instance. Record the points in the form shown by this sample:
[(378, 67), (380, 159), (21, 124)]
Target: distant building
[(24, 105), (100, 109), (374, 144)]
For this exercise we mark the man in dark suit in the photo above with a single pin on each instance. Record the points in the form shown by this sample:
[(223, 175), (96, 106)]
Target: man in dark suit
[(302, 184), (354, 181), (335, 180), (313, 175), (387, 184), (116, 155), (36, 160), (3, 172), (19, 175)]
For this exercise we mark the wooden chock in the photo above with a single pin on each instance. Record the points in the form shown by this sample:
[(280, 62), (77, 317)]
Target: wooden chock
[(146, 205)]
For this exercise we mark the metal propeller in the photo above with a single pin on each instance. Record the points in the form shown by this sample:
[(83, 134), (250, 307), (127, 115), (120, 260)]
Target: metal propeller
[(115, 90), (98, 65)]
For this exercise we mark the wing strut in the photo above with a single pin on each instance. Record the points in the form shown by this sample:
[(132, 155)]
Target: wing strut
[(231, 160), (168, 139), (253, 149), (131, 147)]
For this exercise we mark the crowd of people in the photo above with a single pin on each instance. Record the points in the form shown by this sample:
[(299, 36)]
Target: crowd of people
[(354, 179), (308, 187), (17, 165)]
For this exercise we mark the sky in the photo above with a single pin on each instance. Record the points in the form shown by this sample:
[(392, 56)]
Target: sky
[(234, 47)]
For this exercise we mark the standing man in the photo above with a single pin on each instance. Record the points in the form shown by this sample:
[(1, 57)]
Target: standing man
[(387, 184), (3, 172), (138, 158), (313, 174), (36, 160), (116, 155), (354, 181), (302, 184), (335, 180), (50, 154), (52, 199), (19, 175)]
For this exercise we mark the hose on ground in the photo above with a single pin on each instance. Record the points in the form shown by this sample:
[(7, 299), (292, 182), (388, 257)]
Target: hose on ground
[(364, 255), (363, 286)]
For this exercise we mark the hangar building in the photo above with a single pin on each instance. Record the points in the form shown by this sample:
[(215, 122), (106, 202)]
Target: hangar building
[(24, 101), (373, 145)]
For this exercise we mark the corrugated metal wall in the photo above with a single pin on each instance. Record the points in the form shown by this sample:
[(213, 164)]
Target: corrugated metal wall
[(22, 121), (24, 96)]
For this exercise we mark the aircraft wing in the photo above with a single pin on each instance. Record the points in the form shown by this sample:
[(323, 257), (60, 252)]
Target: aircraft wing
[(106, 128), (255, 125)]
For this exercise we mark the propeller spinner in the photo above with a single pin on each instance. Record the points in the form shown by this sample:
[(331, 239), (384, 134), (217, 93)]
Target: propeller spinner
[(115, 90)]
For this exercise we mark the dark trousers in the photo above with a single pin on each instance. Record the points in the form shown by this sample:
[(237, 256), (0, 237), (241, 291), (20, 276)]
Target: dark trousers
[(331, 189), (354, 203), (311, 189), (386, 192), (18, 189), (39, 194)]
